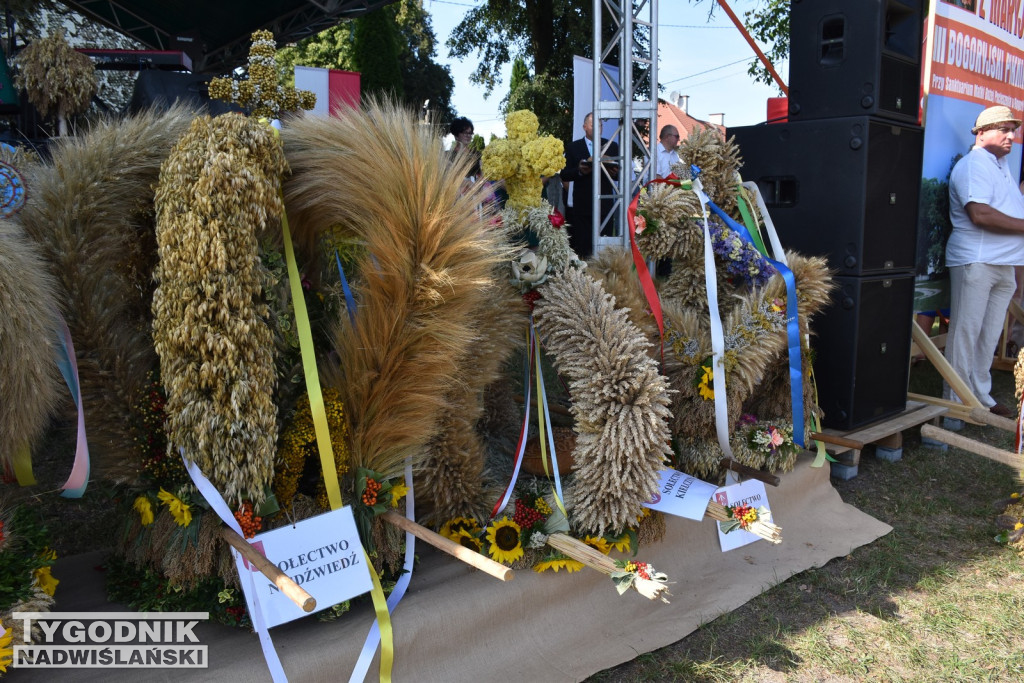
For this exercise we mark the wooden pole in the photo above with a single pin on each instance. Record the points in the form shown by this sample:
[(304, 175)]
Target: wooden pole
[(750, 41), (749, 472), (838, 441), (284, 583), (984, 450), (936, 358), (467, 555)]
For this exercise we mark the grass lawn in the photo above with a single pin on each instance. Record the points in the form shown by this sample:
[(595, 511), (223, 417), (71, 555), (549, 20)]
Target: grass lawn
[(935, 600)]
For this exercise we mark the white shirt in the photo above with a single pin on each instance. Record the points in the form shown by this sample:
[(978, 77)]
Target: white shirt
[(981, 177), (666, 158)]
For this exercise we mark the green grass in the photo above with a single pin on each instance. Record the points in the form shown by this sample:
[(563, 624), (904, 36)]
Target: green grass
[(935, 600)]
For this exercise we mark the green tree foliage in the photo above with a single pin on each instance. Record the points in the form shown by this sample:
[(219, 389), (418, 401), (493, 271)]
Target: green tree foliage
[(422, 78), (545, 34), (375, 54), (520, 75)]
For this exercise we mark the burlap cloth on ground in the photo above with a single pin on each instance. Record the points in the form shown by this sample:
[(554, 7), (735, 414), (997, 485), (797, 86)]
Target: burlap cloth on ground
[(457, 624)]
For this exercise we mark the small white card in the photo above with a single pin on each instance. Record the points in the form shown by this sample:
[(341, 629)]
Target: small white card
[(753, 494), (681, 495), (322, 554)]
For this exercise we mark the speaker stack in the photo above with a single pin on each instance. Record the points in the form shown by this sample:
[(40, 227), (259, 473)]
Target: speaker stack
[(841, 178)]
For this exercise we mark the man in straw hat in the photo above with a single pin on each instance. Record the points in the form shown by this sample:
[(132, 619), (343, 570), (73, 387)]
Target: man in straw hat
[(987, 212)]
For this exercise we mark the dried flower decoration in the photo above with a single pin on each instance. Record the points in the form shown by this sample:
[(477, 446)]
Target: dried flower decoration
[(261, 92), (218, 189)]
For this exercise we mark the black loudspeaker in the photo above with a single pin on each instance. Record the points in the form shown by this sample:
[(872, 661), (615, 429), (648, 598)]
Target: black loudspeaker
[(842, 188), (862, 349), (853, 57)]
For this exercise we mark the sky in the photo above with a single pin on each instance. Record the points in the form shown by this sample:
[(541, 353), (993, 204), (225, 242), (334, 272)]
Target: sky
[(705, 59)]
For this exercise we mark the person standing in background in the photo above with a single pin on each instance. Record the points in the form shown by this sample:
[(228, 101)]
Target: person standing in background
[(668, 140), (579, 170), (987, 212)]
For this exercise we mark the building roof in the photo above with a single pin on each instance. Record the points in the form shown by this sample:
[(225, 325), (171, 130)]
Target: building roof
[(671, 114), (216, 34)]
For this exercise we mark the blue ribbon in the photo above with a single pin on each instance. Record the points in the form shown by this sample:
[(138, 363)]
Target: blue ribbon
[(68, 368), (543, 399), (796, 381), (350, 301)]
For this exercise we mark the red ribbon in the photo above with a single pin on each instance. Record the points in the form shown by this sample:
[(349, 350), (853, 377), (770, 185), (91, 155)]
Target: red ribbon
[(646, 281)]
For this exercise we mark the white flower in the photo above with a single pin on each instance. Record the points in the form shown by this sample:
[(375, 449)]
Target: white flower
[(529, 269)]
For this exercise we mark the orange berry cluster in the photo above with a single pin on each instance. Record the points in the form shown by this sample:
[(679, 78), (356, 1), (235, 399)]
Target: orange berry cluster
[(373, 487), (250, 525)]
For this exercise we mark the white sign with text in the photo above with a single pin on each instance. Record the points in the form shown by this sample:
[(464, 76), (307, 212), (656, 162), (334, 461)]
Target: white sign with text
[(322, 554), (681, 495), (753, 494)]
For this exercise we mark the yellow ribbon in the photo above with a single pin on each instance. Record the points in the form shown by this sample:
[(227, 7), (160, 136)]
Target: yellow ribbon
[(22, 463), (323, 438), (820, 446), (316, 397)]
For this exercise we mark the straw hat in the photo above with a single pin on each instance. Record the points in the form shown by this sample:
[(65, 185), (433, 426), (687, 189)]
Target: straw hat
[(994, 115)]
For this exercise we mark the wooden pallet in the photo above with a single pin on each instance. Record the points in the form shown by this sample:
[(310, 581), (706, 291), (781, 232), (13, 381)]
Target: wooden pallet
[(886, 436)]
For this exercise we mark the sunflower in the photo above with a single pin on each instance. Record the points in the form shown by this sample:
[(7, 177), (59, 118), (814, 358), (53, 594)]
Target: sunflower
[(467, 540), (179, 509), (556, 562), (598, 542), (398, 491), (453, 526), (145, 510), (706, 385), (503, 535), (43, 578), (622, 543), (6, 651)]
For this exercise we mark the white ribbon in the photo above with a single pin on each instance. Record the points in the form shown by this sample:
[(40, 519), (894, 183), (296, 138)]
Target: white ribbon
[(717, 334), (208, 491)]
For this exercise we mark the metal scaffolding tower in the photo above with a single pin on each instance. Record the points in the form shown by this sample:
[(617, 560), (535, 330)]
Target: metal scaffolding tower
[(634, 38)]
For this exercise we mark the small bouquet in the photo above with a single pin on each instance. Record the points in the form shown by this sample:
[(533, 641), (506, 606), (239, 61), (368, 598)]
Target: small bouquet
[(743, 516), (641, 576)]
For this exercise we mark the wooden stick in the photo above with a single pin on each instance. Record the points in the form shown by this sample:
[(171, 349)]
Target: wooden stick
[(936, 358), (467, 555), (838, 440), (298, 595), (960, 411), (749, 472), (581, 552), (984, 450)]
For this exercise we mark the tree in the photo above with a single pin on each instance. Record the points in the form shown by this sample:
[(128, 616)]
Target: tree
[(423, 79), (545, 34), (375, 54)]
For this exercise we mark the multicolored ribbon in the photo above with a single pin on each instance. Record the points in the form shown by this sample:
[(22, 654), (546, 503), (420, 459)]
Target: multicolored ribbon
[(75, 486), (521, 446), (544, 424), (796, 391)]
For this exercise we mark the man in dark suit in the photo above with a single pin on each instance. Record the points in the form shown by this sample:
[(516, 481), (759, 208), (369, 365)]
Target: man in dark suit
[(579, 170)]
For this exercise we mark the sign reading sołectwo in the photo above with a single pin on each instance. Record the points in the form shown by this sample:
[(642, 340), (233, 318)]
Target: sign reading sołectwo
[(322, 554), (682, 495), (750, 492)]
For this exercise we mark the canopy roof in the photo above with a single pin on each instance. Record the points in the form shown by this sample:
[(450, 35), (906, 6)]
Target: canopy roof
[(216, 33)]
